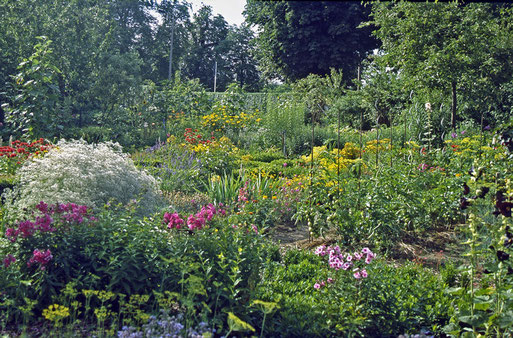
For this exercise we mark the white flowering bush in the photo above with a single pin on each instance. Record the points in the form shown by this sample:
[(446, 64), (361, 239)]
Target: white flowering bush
[(88, 174)]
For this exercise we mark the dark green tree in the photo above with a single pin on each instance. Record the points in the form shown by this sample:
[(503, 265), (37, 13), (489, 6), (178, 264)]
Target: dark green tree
[(171, 38), (241, 63), (465, 51), (297, 38), (207, 35)]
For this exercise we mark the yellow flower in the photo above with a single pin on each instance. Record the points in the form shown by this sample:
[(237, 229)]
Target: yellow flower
[(274, 197), (56, 312), (264, 197)]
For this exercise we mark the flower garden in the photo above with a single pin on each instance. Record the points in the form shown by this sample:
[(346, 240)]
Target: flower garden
[(180, 238)]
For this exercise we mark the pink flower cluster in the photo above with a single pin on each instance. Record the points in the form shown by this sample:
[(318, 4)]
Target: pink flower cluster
[(243, 193), (318, 285), (196, 221), (67, 213), (338, 261), (8, 260), (173, 220), (41, 257)]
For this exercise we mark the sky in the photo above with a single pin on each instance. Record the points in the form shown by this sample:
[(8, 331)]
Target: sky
[(231, 10)]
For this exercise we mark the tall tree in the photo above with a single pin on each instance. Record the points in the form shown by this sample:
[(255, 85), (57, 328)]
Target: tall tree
[(462, 50), (297, 38), (241, 62), (171, 40), (207, 46)]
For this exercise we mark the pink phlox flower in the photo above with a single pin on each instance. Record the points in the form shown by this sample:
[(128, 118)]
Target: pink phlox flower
[(195, 222), (323, 283), (329, 280), (321, 250), (11, 234), (173, 220), (364, 273), (43, 207), (317, 286), (335, 263), (357, 275), (370, 257), (346, 266), (357, 256), (41, 257), (365, 250), (44, 223), (349, 258), (26, 228), (8, 260)]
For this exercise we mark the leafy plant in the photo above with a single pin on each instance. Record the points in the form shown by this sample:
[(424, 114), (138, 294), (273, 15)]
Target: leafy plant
[(82, 173)]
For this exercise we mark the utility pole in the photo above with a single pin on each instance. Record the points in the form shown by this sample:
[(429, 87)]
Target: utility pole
[(171, 41), (215, 75)]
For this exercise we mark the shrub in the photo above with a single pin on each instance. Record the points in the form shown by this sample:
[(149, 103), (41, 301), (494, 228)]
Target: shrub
[(77, 172), (389, 302)]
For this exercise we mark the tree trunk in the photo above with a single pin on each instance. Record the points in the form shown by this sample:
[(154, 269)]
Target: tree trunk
[(453, 108)]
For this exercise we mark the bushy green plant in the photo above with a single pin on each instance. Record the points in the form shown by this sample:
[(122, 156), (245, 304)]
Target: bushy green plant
[(90, 174), (389, 302), (483, 305), (176, 168)]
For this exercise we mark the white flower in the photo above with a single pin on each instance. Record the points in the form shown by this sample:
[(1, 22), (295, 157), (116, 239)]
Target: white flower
[(89, 174)]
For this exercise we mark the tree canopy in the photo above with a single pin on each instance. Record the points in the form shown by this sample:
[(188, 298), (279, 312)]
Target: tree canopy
[(298, 38)]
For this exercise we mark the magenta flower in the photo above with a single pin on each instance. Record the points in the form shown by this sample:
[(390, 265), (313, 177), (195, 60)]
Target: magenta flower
[(349, 258), (8, 260), (317, 286), (173, 220), (41, 257), (44, 223), (43, 207), (364, 273), (11, 234), (330, 280), (357, 275), (26, 228)]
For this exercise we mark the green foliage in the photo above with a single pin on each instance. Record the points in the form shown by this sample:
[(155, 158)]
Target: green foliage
[(453, 48), (177, 169), (391, 301), (482, 306), (35, 111), (206, 273), (297, 38)]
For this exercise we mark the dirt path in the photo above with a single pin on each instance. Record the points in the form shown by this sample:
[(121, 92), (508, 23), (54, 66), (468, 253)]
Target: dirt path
[(430, 248)]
